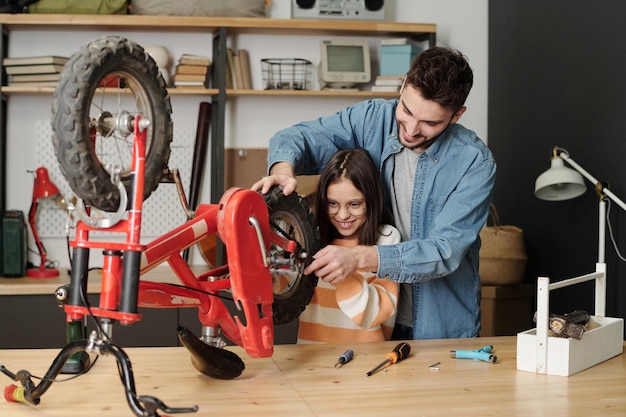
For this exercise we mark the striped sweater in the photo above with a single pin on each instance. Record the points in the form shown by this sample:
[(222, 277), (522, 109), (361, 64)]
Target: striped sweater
[(361, 308)]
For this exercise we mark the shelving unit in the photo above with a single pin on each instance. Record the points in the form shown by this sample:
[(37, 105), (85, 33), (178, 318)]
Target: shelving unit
[(182, 91), (221, 29)]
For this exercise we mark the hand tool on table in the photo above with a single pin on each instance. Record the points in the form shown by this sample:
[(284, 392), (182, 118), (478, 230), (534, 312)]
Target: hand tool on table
[(400, 352), (483, 354), (344, 358)]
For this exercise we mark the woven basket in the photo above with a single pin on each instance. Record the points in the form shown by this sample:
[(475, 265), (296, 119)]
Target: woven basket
[(502, 254)]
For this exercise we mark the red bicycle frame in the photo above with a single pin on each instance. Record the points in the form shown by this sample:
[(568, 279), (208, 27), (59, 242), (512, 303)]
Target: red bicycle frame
[(240, 220)]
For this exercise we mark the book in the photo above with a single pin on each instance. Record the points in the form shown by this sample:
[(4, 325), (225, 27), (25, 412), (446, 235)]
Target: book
[(238, 71), (22, 78), (389, 77), (34, 69), (230, 68), (398, 41), (191, 59), (388, 88), (190, 77), (199, 84), (35, 60), (389, 80), (229, 78), (191, 69), (244, 57)]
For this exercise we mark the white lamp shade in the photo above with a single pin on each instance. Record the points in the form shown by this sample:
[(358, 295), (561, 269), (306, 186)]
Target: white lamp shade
[(559, 182)]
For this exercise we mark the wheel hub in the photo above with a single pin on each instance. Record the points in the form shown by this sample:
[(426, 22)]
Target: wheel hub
[(122, 123)]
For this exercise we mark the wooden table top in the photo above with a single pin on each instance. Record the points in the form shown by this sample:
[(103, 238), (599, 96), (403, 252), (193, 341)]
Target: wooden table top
[(301, 381)]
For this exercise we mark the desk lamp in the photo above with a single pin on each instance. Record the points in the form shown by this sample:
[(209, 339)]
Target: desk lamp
[(42, 189), (563, 183)]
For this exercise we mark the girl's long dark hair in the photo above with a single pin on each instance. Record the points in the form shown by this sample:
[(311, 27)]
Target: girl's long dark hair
[(357, 166)]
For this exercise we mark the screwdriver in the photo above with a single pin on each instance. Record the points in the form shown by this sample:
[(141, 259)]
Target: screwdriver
[(398, 353), (344, 358)]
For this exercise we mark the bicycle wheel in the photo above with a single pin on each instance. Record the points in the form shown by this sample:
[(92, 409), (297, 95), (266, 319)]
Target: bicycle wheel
[(103, 88), (291, 217)]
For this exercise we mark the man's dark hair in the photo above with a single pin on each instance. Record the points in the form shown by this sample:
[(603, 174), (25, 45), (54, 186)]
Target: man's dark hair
[(443, 75)]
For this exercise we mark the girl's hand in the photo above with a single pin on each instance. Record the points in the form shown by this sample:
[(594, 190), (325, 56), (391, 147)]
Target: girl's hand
[(333, 264)]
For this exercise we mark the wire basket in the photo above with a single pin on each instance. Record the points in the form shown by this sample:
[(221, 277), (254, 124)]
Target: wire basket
[(286, 73)]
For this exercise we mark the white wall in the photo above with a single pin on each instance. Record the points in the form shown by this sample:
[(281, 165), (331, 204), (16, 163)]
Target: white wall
[(461, 24)]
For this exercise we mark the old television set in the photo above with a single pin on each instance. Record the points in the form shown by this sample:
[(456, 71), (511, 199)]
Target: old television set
[(344, 64)]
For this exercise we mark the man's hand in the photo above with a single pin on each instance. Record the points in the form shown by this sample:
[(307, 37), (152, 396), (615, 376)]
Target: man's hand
[(288, 183), (333, 264), (281, 174)]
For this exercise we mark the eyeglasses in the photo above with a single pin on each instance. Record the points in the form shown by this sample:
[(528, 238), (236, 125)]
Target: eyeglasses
[(356, 208)]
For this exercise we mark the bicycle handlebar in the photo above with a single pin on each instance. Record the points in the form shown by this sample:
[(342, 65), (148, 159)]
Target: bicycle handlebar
[(142, 406)]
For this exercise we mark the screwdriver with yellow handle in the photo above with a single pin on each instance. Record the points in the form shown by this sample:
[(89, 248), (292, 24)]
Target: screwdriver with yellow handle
[(401, 351)]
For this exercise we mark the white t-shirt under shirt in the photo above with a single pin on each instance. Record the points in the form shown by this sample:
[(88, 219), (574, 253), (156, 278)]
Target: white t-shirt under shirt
[(403, 180)]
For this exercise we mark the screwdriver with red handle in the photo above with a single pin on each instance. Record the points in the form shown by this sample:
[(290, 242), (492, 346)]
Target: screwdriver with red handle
[(401, 351)]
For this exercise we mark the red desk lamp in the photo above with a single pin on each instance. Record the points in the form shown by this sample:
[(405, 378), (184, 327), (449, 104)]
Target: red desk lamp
[(42, 189)]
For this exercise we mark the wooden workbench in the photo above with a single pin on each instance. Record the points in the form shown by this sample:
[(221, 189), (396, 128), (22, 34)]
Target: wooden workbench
[(30, 315), (47, 286), (301, 381)]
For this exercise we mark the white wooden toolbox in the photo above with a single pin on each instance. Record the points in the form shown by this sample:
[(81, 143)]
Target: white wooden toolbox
[(537, 352)]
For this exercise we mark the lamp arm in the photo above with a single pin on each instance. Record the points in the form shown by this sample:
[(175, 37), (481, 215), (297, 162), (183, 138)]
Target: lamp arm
[(600, 282), (32, 214), (565, 156)]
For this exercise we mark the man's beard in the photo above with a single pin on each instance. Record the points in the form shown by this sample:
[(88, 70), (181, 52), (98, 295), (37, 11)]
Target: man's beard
[(425, 142)]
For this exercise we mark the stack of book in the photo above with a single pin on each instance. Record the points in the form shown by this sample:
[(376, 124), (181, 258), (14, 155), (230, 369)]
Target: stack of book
[(34, 71), (389, 83), (238, 74), (398, 41), (192, 71)]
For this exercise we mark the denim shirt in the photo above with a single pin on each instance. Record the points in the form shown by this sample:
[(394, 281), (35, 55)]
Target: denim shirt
[(452, 192)]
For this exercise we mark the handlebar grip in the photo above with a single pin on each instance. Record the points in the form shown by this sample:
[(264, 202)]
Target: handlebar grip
[(13, 394)]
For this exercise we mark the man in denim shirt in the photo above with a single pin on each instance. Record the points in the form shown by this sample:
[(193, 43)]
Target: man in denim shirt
[(438, 178)]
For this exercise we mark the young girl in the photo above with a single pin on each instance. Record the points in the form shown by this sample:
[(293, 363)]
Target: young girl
[(350, 212)]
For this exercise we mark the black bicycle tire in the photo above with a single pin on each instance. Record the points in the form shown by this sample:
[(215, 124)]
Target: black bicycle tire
[(298, 213), (81, 78)]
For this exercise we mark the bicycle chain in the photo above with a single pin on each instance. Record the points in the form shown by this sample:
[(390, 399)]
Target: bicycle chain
[(286, 235)]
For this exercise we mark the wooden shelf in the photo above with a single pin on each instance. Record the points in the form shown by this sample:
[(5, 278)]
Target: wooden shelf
[(67, 22), (309, 93), (13, 89), (181, 91), (191, 91)]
